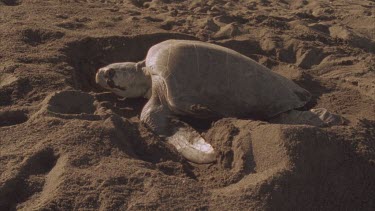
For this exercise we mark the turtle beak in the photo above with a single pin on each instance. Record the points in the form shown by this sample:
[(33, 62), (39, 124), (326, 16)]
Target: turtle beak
[(100, 78)]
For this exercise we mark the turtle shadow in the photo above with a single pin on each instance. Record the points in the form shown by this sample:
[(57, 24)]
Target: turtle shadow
[(129, 108), (200, 125)]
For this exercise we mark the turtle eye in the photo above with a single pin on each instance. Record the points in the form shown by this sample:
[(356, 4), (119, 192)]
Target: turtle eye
[(110, 73)]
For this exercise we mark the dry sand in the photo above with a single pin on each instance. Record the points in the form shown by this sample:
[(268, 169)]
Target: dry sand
[(85, 150)]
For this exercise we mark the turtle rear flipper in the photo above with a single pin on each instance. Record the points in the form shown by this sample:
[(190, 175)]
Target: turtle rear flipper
[(329, 118), (319, 117)]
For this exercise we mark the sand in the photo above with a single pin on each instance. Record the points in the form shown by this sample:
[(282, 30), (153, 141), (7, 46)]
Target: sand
[(65, 144)]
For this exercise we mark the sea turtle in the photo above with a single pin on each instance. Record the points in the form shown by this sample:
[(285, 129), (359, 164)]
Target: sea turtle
[(203, 80)]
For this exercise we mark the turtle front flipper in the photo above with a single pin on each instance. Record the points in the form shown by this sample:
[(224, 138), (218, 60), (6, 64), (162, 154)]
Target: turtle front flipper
[(190, 144), (183, 137)]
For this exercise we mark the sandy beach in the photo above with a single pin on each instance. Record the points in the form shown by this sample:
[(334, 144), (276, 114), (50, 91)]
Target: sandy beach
[(68, 144)]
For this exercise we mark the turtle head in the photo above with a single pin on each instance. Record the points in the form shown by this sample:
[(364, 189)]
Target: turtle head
[(124, 79)]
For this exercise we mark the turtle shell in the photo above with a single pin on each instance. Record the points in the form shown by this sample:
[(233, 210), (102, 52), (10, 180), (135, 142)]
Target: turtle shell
[(206, 79)]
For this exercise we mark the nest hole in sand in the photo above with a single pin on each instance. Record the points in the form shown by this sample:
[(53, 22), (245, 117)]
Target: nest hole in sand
[(8, 118), (87, 55)]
